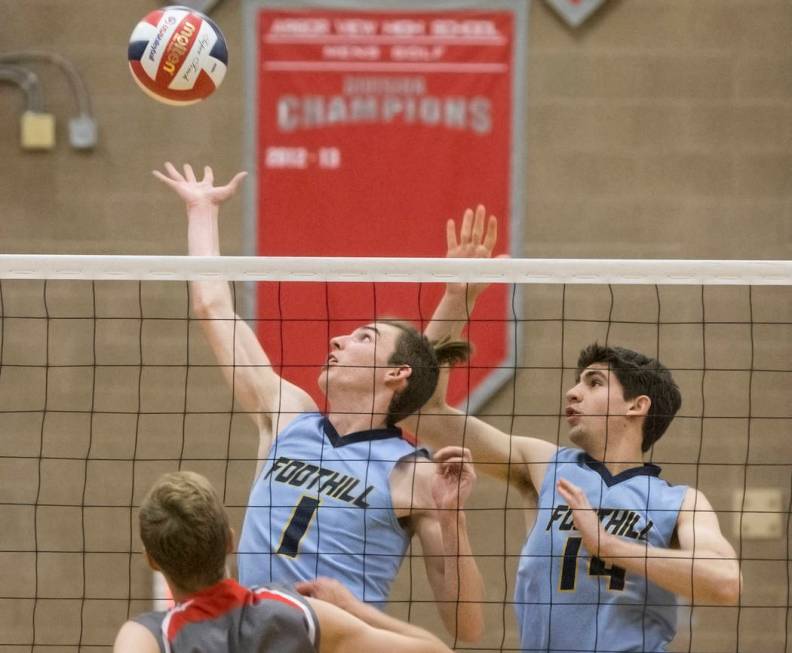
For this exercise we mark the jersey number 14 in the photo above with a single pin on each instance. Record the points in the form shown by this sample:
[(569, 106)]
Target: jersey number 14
[(597, 567)]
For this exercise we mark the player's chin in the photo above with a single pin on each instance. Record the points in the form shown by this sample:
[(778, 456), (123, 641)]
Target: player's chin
[(576, 435), (321, 380)]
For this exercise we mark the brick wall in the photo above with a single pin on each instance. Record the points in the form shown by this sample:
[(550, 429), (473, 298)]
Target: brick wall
[(661, 128)]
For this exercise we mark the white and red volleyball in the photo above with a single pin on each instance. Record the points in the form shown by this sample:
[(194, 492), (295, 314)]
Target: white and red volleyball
[(177, 55)]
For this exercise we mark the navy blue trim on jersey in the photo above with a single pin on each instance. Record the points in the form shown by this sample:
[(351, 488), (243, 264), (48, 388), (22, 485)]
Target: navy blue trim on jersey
[(647, 469), (362, 436)]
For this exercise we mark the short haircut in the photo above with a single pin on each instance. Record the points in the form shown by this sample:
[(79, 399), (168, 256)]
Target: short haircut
[(639, 375), (185, 530), (424, 358)]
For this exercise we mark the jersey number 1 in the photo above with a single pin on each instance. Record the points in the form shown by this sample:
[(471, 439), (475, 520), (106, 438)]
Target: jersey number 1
[(297, 526), (597, 567)]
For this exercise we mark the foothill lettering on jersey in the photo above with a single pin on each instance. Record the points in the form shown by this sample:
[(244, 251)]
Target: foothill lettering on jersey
[(617, 521), (328, 482)]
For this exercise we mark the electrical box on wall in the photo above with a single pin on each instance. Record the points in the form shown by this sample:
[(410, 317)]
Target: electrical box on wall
[(37, 126), (759, 515), (38, 130)]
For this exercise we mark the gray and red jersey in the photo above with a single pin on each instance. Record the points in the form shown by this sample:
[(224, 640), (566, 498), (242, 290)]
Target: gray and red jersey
[(229, 618)]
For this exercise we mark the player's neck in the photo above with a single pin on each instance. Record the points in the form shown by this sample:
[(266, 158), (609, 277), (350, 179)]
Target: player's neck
[(347, 422), (617, 455), (352, 412), (180, 596), (617, 467)]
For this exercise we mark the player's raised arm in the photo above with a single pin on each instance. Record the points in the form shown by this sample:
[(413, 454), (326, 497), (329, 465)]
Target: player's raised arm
[(704, 568), (475, 240), (519, 460), (242, 359), (347, 624)]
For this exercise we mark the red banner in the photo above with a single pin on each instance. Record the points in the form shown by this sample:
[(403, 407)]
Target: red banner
[(374, 128)]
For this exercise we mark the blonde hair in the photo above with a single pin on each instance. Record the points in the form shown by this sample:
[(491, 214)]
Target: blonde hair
[(185, 530)]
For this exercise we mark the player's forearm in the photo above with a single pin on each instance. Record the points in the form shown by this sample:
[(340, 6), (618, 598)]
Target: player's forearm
[(448, 321), (463, 589), (438, 425), (378, 619), (210, 299), (452, 314), (202, 231), (703, 577)]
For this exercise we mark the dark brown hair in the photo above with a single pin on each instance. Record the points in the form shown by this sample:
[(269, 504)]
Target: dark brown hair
[(424, 358), (639, 375)]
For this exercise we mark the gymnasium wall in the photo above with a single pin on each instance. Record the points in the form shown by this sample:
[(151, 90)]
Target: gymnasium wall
[(660, 129)]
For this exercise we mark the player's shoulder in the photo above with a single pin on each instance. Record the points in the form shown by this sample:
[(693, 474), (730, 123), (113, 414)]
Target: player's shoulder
[(286, 611), (138, 636), (413, 465), (695, 500), (288, 422), (411, 483), (535, 450), (567, 454)]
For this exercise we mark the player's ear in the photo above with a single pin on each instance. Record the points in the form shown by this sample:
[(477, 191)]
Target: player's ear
[(396, 377), (230, 543), (151, 562), (639, 405)]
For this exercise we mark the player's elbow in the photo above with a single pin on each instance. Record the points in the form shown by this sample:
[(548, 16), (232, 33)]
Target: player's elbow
[(471, 630), (467, 626), (725, 590), (729, 589)]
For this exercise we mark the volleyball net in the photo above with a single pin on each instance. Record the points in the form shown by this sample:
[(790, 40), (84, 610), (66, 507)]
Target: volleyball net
[(106, 382)]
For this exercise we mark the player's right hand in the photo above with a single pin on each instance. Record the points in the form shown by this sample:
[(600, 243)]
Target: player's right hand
[(194, 192), (453, 479), (329, 590)]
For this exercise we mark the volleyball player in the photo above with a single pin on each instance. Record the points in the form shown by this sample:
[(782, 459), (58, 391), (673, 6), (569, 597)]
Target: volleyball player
[(613, 543), (341, 494), (186, 536)]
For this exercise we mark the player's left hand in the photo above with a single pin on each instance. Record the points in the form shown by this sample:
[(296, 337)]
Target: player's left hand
[(453, 479), (329, 590), (585, 517), (474, 241)]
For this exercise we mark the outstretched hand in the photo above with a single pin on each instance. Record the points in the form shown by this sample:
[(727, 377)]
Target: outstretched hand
[(474, 241), (453, 479), (194, 192)]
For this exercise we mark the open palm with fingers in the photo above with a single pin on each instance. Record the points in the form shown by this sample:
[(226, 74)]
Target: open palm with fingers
[(194, 192), (474, 241), (585, 517)]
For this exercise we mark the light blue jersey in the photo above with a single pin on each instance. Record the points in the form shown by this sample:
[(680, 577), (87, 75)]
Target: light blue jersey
[(322, 507), (568, 601)]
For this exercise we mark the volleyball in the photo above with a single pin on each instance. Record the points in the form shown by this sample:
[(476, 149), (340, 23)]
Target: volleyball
[(177, 55)]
